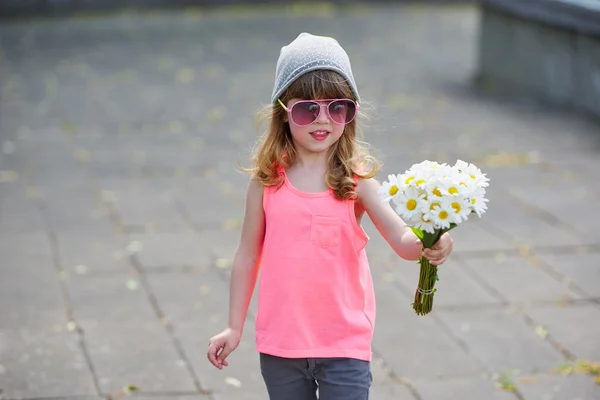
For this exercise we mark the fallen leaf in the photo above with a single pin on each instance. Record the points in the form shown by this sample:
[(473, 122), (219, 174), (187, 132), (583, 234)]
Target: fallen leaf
[(233, 382), (175, 127), (185, 75), (541, 331), (132, 284), (204, 290), (215, 114), (130, 388), (32, 192), (232, 223), (222, 263), (8, 176), (81, 269), (82, 155), (108, 197), (135, 247)]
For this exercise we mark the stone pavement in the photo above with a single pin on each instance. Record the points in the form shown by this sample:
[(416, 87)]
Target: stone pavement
[(121, 205)]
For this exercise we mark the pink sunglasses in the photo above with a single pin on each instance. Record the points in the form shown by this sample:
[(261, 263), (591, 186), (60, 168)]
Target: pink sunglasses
[(305, 112)]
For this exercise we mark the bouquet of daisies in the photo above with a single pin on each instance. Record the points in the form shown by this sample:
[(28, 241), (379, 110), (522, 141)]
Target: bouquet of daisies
[(432, 199)]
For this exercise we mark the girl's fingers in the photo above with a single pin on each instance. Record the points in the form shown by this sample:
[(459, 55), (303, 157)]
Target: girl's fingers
[(224, 354), (214, 355)]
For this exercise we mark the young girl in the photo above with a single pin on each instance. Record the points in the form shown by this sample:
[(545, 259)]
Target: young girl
[(311, 184)]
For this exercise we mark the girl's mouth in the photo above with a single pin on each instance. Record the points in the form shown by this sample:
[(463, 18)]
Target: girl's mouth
[(320, 134)]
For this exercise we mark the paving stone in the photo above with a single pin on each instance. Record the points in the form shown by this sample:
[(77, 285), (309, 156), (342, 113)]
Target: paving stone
[(476, 387), (384, 387), (197, 305), (517, 279), (115, 312), (121, 296), (414, 346), (455, 289), (502, 340), (92, 253), (229, 195), (19, 213), (559, 387), (524, 228), (34, 363), (121, 358), (179, 249), (545, 199), (473, 237), (140, 205), (575, 327), (30, 294), (85, 214), (580, 269)]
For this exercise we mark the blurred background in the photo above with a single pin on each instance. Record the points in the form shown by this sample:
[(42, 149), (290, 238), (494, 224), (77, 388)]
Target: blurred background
[(122, 124)]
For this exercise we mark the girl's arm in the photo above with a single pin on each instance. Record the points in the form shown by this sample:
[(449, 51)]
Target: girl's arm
[(246, 261), (394, 230), (243, 277)]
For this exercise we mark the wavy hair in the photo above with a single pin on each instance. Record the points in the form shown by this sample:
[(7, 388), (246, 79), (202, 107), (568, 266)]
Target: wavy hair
[(346, 158)]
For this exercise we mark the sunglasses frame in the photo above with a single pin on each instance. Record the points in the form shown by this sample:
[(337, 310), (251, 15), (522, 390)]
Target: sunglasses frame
[(289, 110)]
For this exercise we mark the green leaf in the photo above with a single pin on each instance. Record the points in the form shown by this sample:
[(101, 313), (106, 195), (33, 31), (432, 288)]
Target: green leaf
[(417, 232)]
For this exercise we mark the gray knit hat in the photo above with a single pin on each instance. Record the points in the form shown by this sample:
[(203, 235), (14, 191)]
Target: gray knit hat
[(309, 53)]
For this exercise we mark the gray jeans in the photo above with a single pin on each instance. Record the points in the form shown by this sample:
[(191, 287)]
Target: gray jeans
[(301, 378)]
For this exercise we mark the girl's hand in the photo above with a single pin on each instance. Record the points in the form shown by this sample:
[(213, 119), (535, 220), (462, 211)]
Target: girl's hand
[(221, 346), (438, 253)]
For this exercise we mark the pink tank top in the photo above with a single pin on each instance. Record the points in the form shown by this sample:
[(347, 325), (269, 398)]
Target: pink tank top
[(315, 296)]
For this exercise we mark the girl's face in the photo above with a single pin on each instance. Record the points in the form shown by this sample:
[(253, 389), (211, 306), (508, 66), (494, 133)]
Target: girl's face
[(320, 135)]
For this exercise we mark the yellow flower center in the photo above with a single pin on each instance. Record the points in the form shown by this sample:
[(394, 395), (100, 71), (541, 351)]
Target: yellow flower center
[(393, 190), (473, 177), (424, 219), (453, 190), (473, 200), (420, 182), (464, 184), (411, 204), (407, 180), (433, 205), (437, 192), (443, 215), (456, 207)]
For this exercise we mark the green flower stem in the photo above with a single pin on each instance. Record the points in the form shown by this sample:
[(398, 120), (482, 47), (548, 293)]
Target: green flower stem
[(423, 303)]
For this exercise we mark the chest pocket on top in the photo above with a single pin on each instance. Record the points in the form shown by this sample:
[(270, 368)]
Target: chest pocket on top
[(325, 231)]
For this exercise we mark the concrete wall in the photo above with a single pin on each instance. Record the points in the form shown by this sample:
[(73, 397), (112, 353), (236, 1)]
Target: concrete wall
[(546, 59), (23, 8)]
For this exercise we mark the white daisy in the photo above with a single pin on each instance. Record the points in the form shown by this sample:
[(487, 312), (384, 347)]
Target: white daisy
[(441, 215), (410, 204), (425, 223), (406, 179), (478, 202), (473, 173), (451, 186), (461, 208), (435, 191), (389, 189)]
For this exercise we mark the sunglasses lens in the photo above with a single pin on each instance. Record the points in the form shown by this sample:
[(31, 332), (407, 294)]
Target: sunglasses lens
[(342, 111), (305, 112)]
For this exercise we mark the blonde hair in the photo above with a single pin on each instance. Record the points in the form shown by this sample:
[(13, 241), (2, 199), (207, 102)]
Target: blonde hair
[(347, 158)]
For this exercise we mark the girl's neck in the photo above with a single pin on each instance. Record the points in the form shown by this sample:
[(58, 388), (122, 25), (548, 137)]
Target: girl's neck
[(311, 161)]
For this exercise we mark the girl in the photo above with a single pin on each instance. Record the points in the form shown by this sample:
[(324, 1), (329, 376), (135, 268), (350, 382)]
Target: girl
[(309, 190)]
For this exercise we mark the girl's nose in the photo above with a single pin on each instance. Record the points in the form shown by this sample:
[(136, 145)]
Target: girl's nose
[(323, 115)]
